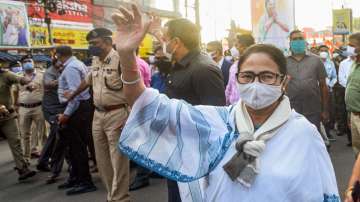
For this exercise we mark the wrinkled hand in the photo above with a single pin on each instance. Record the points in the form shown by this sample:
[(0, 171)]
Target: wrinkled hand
[(3, 111), (68, 95), (155, 27), (131, 29), (63, 119)]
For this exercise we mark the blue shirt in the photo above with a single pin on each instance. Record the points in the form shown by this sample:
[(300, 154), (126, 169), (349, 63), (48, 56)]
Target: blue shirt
[(331, 73), (158, 82), (74, 72)]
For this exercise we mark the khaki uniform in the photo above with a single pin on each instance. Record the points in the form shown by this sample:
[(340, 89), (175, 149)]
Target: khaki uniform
[(107, 91), (8, 125), (31, 119)]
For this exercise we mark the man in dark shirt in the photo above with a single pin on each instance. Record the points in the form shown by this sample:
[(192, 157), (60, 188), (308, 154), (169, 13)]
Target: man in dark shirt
[(194, 77)]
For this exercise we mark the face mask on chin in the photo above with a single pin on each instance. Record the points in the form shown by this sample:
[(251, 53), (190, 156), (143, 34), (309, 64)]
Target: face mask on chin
[(257, 95)]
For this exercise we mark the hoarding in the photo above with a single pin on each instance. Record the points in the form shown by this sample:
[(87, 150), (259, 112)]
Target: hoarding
[(272, 21), (14, 25), (342, 21)]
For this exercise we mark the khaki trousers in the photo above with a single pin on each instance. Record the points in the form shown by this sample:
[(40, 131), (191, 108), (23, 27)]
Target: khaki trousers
[(10, 129), (355, 132), (27, 117), (113, 165)]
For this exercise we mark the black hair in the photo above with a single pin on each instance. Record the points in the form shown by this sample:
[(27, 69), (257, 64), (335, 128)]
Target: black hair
[(246, 40), (295, 32), (217, 45), (186, 31), (273, 52), (64, 51), (323, 46)]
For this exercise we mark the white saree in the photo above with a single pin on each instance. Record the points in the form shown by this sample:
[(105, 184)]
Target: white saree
[(186, 143)]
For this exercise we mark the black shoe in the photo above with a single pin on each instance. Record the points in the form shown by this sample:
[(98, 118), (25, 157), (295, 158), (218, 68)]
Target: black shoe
[(67, 185), (43, 168), (80, 189), (349, 144), (52, 179), (25, 173), (138, 184)]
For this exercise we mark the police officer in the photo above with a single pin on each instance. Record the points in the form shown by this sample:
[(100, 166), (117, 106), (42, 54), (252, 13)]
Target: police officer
[(110, 113), (8, 124), (28, 98)]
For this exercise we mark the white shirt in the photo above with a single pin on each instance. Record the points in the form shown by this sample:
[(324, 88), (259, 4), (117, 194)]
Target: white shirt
[(344, 71), (221, 61)]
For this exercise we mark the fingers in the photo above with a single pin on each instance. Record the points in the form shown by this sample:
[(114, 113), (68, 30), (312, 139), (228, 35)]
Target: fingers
[(118, 19), (128, 16), (136, 11)]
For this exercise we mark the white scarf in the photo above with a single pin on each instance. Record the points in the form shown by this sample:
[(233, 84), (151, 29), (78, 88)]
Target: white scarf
[(244, 165)]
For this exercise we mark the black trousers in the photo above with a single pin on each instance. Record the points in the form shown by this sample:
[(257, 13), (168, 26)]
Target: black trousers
[(173, 191), (341, 114), (53, 148), (76, 135)]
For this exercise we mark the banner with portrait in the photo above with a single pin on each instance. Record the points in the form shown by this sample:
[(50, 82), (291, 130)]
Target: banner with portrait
[(342, 21), (14, 25), (272, 21)]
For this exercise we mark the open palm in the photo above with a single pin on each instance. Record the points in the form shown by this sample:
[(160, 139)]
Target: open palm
[(131, 29)]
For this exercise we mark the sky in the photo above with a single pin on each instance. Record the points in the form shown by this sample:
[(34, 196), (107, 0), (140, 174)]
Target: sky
[(216, 14)]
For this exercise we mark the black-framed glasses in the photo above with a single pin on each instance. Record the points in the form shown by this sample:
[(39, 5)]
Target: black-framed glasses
[(265, 77)]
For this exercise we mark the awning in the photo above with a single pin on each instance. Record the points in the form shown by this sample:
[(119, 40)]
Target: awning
[(41, 58), (8, 57)]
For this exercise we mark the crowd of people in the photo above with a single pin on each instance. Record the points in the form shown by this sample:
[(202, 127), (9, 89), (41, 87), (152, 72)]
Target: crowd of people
[(255, 126)]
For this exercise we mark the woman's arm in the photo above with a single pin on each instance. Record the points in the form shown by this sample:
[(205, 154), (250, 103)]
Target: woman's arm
[(131, 30)]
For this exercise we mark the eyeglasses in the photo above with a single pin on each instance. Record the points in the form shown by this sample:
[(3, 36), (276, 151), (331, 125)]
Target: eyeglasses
[(265, 77)]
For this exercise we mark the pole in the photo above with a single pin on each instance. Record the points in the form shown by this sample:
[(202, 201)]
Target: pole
[(197, 13), (48, 20)]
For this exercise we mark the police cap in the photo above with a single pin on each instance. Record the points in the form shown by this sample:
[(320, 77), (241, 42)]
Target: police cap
[(97, 33)]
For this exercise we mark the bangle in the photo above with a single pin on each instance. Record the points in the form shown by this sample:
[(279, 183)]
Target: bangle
[(130, 82)]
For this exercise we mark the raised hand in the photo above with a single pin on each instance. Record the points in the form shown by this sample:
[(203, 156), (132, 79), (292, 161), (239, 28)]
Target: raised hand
[(132, 27)]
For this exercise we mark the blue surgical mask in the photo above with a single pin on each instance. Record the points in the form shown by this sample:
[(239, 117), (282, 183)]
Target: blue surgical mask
[(298, 46), (16, 69), (28, 66), (95, 51)]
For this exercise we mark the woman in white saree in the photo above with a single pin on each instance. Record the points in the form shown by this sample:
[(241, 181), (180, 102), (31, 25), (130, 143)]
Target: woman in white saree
[(257, 150)]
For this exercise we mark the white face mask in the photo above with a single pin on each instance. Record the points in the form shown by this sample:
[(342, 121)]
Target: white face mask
[(235, 52), (152, 59), (351, 51), (323, 55), (228, 58), (258, 95)]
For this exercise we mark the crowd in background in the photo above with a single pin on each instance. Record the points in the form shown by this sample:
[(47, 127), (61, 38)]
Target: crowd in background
[(75, 112)]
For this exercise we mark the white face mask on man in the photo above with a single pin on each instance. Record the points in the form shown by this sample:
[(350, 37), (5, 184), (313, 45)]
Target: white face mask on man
[(258, 95), (351, 51)]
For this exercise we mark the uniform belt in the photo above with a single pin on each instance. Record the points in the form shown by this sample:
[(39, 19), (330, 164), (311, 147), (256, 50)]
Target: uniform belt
[(32, 105), (110, 107), (356, 113)]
